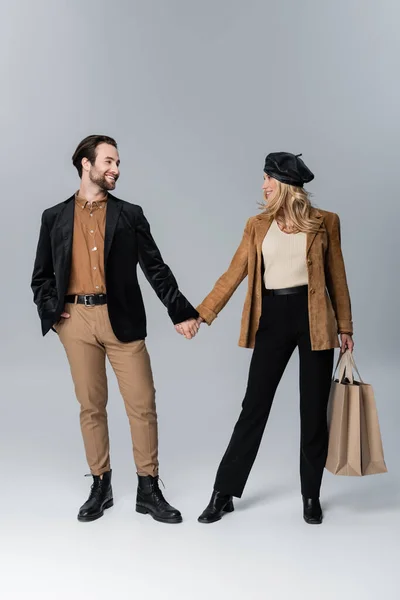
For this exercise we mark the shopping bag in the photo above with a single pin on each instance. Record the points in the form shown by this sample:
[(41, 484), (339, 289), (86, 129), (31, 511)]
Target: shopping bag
[(355, 443)]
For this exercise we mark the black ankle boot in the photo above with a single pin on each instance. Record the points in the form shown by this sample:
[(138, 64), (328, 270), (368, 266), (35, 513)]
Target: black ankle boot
[(100, 498), (218, 505), (312, 512), (149, 500)]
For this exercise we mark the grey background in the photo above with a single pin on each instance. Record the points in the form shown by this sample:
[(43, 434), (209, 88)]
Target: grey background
[(196, 95)]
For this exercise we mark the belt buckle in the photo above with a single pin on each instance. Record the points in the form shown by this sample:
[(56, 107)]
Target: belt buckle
[(86, 296)]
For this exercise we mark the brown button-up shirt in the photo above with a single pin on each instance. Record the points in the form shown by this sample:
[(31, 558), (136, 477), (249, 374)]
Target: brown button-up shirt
[(87, 266)]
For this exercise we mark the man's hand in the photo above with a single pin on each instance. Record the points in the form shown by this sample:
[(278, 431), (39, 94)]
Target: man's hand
[(64, 315), (188, 328), (346, 342)]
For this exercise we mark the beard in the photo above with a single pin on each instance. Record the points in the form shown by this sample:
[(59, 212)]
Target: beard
[(100, 180)]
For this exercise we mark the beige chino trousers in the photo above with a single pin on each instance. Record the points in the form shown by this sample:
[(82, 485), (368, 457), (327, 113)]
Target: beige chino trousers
[(88, 338)]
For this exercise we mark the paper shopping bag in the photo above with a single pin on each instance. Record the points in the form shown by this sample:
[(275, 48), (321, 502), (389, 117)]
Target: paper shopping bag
[(355, 443)]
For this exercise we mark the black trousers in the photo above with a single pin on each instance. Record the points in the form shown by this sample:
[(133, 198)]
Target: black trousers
[(283, 325)]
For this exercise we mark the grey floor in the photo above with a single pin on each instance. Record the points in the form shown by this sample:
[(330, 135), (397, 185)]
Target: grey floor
[(262, 550)]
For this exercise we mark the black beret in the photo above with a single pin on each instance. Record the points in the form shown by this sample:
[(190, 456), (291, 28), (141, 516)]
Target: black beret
[(287, 168)]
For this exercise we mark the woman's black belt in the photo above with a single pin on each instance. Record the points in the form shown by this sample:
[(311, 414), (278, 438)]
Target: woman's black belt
[(300, 289)]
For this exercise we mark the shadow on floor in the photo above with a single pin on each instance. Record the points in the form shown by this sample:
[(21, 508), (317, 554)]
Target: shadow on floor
[(262, 497)]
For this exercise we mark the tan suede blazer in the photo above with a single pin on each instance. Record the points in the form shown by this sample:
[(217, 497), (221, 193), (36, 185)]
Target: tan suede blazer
[(328, 295)]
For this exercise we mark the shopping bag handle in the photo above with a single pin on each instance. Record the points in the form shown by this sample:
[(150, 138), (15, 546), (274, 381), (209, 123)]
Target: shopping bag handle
[(346, 364), (346, 369)]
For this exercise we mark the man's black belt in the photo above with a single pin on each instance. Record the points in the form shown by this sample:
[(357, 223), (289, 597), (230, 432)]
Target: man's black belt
[(300, 289), (87, 299)]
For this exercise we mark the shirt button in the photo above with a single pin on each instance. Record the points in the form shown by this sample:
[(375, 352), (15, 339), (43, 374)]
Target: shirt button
[(309, 261), (92, 231), (94, 268), (97, 287), (312, 291)]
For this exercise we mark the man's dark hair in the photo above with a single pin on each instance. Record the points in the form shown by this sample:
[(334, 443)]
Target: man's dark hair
[(87, 149)]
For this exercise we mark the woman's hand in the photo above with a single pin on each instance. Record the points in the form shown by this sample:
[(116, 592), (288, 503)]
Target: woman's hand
[(346, 342), (188, 328)]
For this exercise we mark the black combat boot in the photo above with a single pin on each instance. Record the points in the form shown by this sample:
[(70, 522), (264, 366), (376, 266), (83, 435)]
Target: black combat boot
[(149, 500), (100, 498)]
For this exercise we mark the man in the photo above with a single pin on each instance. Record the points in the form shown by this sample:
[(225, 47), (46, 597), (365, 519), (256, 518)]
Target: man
[(86, 289)]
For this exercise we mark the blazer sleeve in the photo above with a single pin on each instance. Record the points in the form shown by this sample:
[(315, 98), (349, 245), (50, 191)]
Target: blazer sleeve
[(336, 279), (159, 275), (227, 284), (43, 282)]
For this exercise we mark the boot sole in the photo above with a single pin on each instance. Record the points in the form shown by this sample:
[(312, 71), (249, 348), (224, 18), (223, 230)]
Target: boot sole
[(228, 509), (146, 511), (90, 518), (312, 522)]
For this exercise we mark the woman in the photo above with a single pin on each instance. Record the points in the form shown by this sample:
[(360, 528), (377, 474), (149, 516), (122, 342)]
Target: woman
[(297, 296)]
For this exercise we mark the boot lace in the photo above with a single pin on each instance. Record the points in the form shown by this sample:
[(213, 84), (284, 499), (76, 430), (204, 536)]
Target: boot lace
[(158, 495), (96, 487)]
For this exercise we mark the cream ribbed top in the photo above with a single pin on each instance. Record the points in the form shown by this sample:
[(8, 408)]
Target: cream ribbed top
[(284, 258)]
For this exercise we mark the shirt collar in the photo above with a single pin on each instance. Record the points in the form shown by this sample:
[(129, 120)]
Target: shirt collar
[(82, 202)]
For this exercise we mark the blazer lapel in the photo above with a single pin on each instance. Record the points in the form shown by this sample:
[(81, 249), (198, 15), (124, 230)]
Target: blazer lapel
[(67, 224), (311, 236), (114, 207), (263, 223)]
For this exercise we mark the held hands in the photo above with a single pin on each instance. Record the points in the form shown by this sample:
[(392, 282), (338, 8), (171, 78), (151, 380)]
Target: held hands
[(346, 342), (189, 328)]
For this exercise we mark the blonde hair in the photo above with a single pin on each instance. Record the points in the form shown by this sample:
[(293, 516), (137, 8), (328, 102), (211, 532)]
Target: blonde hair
[(294, 202)]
